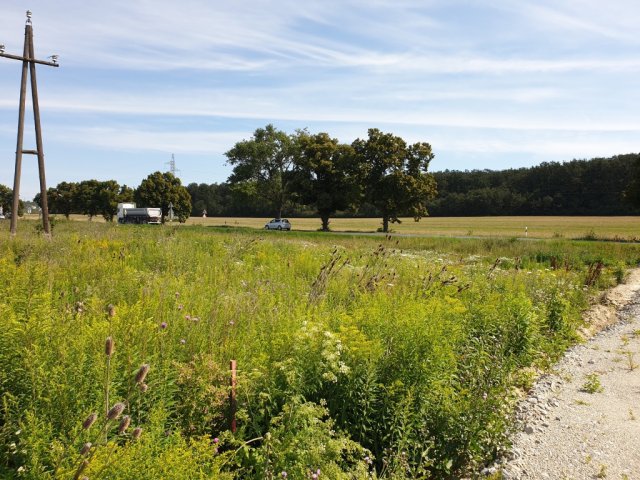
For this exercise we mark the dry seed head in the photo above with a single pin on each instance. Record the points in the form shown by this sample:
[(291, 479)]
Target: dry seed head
[(85, 448), (108, 346), (90, 420), (81, 468), (136, 433), (124, 424), (115, 411), (111, 309), (142, 373), (143, 387)]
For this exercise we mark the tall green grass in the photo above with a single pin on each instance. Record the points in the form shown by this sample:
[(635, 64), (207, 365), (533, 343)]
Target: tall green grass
[(361, 357)]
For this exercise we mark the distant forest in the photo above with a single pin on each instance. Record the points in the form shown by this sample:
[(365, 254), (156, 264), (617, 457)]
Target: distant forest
[(578, 187)]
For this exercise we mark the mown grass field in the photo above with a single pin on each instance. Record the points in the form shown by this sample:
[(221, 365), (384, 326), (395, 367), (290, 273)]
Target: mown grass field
[(622, 228), (608, 228), (359, 356)]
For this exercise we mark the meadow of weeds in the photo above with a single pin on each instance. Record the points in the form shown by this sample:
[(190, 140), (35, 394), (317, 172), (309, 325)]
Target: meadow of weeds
[(357, 357)]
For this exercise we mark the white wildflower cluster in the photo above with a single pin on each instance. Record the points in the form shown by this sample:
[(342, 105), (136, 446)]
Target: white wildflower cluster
[(331, 354)]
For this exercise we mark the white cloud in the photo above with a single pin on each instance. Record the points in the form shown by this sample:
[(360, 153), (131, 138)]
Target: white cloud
[(616, 20), (281, 105), (190, 77), (134, 139), (260, 35)]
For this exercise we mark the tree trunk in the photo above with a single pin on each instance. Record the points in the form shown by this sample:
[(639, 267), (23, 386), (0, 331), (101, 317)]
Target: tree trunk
[(385, 223), (325, 223)]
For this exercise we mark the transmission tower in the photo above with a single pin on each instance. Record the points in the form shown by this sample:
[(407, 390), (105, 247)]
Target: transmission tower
[(29, 67), (172, 165)]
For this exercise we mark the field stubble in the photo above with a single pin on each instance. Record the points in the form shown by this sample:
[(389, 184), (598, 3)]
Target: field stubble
[(589, 228)]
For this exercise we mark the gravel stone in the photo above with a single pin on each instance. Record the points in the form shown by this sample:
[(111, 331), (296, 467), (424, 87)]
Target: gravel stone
[(588, 431)]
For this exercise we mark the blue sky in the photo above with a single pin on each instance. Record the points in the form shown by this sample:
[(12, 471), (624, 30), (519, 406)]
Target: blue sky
[(489, 83)]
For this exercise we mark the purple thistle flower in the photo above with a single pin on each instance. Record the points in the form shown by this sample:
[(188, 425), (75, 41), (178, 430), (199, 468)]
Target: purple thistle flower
[(163, 325), (216, 440), (283, 474)]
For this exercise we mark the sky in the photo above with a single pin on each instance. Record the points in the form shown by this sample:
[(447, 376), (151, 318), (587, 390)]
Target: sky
[(490, 84)]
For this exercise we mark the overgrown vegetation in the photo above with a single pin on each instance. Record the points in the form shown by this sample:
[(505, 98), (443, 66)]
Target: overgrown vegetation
[(357, 358)]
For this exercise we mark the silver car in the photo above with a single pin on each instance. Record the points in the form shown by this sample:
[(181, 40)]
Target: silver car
[(278, 224)]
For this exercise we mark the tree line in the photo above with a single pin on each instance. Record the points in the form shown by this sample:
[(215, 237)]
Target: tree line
[(100, 198), (276, 173), (304, 174), (600, 186)]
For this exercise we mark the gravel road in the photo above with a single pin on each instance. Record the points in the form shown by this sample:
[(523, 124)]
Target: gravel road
[(582, 421)]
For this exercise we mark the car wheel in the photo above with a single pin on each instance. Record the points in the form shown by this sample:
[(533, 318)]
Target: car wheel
[(279, 227)]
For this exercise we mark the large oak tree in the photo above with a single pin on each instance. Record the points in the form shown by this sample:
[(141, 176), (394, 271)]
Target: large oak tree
[(263, 166), (394, 175), (325, 174)]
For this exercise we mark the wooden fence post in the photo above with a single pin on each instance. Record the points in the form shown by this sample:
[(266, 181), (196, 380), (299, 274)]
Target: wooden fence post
[(232, 397)]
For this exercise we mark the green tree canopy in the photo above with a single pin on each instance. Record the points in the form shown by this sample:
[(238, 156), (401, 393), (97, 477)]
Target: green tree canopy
[(86, 198), (107, 198), (325, 174), (394, 175), (263, 166), (6, 198), (89, 197), (63, 198), (160, 190), (126, 194)]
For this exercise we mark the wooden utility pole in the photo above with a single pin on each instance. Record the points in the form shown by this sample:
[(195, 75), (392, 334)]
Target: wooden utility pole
[(29, 61)]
